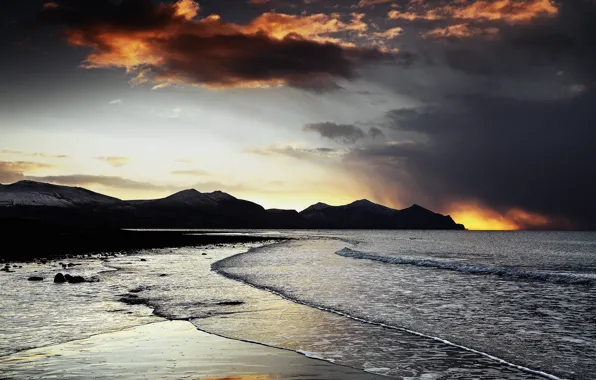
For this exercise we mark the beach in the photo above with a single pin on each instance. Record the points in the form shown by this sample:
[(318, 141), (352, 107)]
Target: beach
[(298, 308), (168, 350)]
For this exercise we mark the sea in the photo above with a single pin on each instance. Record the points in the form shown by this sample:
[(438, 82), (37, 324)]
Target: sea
[(429, 305)]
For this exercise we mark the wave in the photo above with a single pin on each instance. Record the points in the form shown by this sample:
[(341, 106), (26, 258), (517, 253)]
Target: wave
[(511, 273), (219, 267)]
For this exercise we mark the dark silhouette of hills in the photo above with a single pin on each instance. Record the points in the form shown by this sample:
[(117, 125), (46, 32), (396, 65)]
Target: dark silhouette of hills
[(364, 214), (36, 202)]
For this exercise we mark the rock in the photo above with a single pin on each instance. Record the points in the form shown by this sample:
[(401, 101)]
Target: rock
[(59, 278), (163, 275), (143, 259), (204, 253), (71, 265), (6, 269), (131, 299), (230, 303), (76, 279), (35, 278)]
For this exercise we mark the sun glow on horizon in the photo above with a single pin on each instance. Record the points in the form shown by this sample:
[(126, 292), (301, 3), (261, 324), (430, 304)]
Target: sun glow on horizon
[(476, 217)]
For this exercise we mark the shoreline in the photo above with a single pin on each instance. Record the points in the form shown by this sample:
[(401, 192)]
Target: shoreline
[(52, 244), (164, 261), (217, 267), (170, 350)]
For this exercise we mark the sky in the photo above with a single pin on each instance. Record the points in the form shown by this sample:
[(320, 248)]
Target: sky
[(481, 109)]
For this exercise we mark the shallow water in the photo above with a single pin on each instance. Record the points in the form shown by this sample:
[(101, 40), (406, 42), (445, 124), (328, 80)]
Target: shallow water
[(532, 303)]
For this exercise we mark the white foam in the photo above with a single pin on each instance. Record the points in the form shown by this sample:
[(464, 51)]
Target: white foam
[(217, 268), (557, 278)]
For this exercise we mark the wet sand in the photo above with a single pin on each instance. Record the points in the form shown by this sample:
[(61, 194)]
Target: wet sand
[(168, 350)]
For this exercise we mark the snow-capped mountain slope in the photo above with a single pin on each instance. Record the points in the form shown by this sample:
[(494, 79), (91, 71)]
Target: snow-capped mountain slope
[(192, 198), (30, 193)]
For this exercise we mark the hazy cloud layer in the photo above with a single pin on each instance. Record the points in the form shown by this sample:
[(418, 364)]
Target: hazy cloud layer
[(108, 181), (191, 172), (299, 153), (115, 161), (35, 154), (14, 171)]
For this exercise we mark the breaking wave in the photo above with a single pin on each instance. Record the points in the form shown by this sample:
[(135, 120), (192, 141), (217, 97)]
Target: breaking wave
[(511, 273)]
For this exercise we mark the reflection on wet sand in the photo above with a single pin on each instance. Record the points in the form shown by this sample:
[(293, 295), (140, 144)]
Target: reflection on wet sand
[(243, 377), (168, 350)]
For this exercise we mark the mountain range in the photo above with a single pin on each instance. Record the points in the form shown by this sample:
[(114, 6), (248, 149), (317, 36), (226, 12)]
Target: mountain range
[(64, 205)]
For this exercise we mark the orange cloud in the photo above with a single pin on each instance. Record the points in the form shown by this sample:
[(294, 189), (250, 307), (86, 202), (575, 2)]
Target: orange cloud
[(169, 43), (461, 31), (508, 10), (187, 9), (511, 11)]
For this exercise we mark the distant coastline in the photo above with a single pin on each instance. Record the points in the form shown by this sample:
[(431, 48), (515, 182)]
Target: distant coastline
[(35, 202)]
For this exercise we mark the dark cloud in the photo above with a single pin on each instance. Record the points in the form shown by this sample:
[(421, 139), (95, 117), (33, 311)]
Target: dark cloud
[(375, 132), (504, 121), (342, 133), (537, 156), (169, 44)]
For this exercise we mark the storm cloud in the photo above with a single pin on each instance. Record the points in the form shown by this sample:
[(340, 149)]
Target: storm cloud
[(169, 43), (536, 156), (504, 122)]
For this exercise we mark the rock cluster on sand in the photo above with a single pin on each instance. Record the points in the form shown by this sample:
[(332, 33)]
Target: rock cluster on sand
[(61, 278)]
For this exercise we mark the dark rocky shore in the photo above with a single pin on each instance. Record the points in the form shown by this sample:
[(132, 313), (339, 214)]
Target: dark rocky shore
[(30, 240)]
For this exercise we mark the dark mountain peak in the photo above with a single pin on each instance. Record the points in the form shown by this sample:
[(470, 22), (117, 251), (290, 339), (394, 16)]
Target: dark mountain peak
[(417, 209), (362, 202), (27, 182), (32, 185), (316, 207), (368, 206), (187, 197), (187, 192), (416, 206), (219, 196)]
